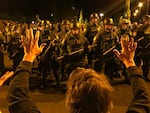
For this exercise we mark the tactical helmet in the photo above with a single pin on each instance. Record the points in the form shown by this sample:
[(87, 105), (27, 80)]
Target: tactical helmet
[(94, 16), (124, 21), (65, 22), (146, 17), (108, 21), (75, 25)]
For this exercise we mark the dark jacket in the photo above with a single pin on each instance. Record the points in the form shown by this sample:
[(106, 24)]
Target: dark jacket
[(20, 102)]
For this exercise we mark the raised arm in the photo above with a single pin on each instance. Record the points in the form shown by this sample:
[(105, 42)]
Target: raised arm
[(18, 94), (141, 98), (5, 77)]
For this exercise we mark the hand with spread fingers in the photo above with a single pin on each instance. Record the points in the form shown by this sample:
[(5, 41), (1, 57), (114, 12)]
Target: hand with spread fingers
[(127, 52), (31, 47), (5, 77)]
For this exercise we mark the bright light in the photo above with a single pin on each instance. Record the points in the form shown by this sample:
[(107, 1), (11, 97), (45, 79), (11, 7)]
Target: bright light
[(101, 14), (73, 8), (52, 14), (32, 23), (135, 14), (136, 11), (140, 4)]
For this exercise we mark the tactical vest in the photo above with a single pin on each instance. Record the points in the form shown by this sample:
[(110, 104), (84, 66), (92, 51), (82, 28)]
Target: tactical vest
[(107, 41)]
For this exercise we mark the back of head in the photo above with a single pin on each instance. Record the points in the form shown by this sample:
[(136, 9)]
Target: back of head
[(88, 92)]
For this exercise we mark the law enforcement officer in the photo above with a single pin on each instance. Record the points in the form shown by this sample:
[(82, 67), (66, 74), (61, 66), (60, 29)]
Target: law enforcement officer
[(15, 48), (143, 49), (125, 27), (105, 40), (92, 29), (74, 42), (48, 57)]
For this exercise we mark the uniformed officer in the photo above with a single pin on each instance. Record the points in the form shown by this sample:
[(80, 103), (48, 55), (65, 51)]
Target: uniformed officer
[(92, 29), (74, 42), (143, 50), (125, 27), (2, 42), (15, 48), (104, 62), (47, 59)]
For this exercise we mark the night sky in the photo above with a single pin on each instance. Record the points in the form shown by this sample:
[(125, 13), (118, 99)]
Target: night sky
[(61, 8)]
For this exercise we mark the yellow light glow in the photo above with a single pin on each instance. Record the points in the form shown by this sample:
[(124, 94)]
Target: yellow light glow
[(101, 14), (136, 11), (140, 4), (135, 14)]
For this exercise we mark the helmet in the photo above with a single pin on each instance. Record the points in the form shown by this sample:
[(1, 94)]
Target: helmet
[(124, 21), (94, 16), (146, 17), (65, 22), (108, 21), (75, 25)]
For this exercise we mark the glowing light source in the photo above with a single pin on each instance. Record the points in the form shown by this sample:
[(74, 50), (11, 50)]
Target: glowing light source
[(135, 14), (101, 15), (136, 11), (140, 4), (73, 8)]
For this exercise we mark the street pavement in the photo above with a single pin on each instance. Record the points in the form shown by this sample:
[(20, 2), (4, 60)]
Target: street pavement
[(52, 99)]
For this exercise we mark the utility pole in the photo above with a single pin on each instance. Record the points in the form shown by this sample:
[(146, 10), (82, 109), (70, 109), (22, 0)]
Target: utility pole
[(81, 20), (148, 3), (128, 11)]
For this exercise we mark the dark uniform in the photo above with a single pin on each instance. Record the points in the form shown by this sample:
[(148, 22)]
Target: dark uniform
[(143, 50), (65, 30), (92, 29), (124, 30), (104, 41), (124, 27), (74, 42), (2, 42), (47, 59), (15, 49)]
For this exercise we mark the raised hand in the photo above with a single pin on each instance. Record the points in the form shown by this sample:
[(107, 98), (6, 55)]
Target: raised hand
[(5, 77), (127, 52), (30, 44)]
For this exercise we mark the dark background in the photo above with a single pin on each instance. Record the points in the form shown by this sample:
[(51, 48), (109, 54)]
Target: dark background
[(62, 9)]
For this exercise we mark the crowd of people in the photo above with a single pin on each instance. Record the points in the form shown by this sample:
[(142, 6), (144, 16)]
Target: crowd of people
[(88, 56), (87, 90), (72, 44)]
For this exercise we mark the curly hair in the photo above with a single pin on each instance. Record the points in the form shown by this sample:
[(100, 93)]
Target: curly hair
[(88, 92)]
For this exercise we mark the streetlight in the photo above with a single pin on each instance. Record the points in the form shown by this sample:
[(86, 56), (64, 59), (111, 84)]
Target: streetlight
[(136, 11), (101, 15), (135, 14), (52, 14), (140, 4)]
